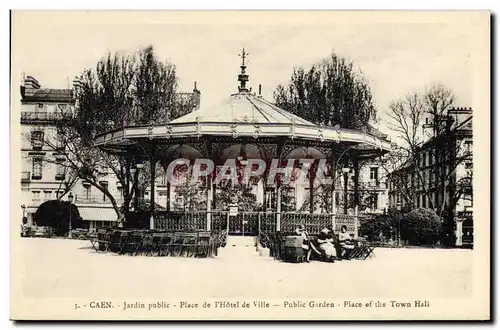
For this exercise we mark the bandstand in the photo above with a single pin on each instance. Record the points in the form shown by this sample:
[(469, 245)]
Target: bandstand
[(246, 126)]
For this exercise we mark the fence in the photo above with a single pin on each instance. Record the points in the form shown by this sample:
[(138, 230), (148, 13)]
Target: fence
[(248, 223)]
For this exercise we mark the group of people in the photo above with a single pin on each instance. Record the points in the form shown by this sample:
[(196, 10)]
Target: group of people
[(327, 243)]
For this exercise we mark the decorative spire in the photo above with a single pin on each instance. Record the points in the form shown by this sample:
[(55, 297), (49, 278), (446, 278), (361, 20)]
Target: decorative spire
[(243, 77)]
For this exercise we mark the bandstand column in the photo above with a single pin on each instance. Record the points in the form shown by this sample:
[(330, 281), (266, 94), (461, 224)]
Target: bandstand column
[(356, 196), (168, 195), (152, 197), (333, 204), (311, 187), (278, 206), (210, 192), (356, 182), (346, 181)]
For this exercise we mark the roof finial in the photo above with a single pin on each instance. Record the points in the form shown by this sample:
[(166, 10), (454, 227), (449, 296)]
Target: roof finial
[(243, 77)]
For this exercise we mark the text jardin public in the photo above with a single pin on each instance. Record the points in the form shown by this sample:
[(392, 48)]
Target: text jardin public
[(237, 171)]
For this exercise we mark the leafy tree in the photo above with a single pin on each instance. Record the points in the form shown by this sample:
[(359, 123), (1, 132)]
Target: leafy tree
[(421, 227), (123, 89), (241, 194), (330, 92), (55, 214)]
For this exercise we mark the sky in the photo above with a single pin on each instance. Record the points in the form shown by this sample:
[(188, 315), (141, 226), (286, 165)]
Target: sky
[(396, 56)]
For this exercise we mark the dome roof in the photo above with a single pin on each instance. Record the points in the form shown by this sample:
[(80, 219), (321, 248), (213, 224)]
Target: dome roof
[(243, 107)]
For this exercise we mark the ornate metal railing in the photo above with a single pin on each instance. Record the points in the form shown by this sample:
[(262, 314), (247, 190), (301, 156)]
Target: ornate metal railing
[(180, 221), (350, 221), (313, 222), (29, 116), (251, 223)]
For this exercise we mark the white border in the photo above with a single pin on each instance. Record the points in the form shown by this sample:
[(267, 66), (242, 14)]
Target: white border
[(191, 4)]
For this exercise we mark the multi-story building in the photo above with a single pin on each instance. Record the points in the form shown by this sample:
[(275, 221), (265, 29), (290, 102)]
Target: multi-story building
[(440, 176), (42, 178)]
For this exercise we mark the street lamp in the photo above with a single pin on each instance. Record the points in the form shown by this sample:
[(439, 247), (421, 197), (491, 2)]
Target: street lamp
[(24, 212), (398, 207), (70, 200)]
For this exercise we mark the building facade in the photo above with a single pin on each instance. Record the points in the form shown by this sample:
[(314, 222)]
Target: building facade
[(43, 177), (440, 178)]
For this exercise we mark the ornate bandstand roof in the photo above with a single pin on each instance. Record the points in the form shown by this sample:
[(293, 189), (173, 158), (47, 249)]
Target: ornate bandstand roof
[(243, 123), (243, 107)]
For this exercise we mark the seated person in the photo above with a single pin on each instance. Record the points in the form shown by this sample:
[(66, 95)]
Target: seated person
[(346, 242), (326, 243), (301, 231)]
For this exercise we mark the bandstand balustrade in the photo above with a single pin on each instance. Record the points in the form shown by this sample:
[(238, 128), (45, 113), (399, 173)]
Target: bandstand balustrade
[(244, 223)]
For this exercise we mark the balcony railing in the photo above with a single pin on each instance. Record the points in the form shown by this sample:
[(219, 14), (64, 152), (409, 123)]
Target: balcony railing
[(28, 116), (36, 143), (96, 200)]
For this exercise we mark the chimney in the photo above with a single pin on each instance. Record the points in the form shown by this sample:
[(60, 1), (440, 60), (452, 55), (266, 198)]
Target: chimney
[(260, 89)]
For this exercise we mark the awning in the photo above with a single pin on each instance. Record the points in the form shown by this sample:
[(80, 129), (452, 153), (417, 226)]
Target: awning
[(92, 213)]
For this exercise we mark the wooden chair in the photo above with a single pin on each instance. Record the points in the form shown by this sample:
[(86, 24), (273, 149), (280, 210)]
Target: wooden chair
[(156, 243), (204, 245), (147, 244), (133, 242), (189, 245), (101, 241), (164, 244)]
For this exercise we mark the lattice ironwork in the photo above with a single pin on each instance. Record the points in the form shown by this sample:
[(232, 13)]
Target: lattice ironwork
[(180, 221), (251, 223), (313, 222), (267, 222), (219, 221), (345, 220)]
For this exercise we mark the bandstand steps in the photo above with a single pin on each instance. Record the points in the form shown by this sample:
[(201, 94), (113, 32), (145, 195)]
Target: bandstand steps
[(239, 247), (240, 241)]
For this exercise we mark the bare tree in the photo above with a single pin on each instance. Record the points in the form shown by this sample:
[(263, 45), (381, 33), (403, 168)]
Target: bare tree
[(409, 119)]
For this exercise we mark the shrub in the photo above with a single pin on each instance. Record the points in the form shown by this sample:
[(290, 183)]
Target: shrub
[(55, 214), (372, 226), (421, 227)]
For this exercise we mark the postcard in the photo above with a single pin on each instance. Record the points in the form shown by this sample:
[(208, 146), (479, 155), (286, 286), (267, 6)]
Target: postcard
[(250, 165)]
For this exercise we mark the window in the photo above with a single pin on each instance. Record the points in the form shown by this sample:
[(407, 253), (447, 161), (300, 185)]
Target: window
[(418, 201), (374, 201), (37, 139), (468, 165), (424, 159), (374, 173), (105, 187), (60, 169), (424, 201), (337, 199), (37, 168), (87, 191)]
